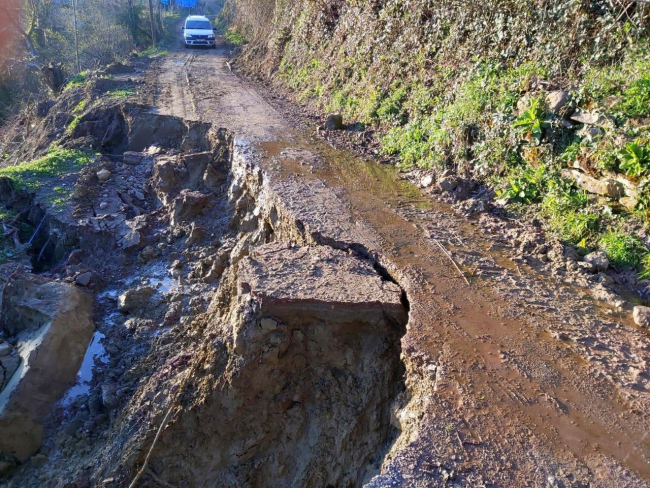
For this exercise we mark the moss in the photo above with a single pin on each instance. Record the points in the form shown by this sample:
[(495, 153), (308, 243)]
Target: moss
[(120, 93)]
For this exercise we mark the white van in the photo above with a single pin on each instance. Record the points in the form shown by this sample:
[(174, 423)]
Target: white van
[(198, 31)]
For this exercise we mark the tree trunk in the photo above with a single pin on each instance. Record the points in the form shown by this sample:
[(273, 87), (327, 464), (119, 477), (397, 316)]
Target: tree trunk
[(153, 25)]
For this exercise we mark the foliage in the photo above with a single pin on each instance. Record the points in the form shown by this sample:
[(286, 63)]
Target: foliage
[(565, 207), (56, 162), (635, 159), (623, 250), (234, 37), (531, 122), (524, 185)]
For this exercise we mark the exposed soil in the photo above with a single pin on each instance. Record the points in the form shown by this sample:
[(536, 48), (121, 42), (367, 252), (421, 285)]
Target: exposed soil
[(279, 354)]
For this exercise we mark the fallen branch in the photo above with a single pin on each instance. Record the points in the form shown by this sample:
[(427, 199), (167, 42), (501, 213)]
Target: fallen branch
[(442, 248)]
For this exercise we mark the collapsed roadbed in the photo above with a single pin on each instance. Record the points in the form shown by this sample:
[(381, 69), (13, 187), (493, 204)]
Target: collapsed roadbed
[(239, 340)]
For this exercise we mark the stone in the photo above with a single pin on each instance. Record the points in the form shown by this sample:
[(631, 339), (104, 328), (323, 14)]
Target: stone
[(132, 158), (53, 325), (607, 187), (590, 118), (103, 175), (641, 316), (39, 460), (188, 204), (555, 101), (103, 205), (268, 324), (8, 366), (334, 122), (591, 133), (629, 202), (426, 181), (84, 279), (598, 259), (449, 183), (5, 349), (135, 299), (524, 102)]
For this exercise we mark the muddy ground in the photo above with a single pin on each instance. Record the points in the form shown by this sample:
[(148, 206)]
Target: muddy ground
[(251, 318)]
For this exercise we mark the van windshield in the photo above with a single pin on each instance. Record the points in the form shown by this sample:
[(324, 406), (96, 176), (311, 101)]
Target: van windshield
[(198, 24)]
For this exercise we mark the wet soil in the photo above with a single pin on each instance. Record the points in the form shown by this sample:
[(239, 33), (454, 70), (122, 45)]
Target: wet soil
[(517, 379)]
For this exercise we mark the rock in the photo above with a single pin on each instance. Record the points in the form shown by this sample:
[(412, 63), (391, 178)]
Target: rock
[(103, 205), (54, 324), (103, 175), (132, 158), (138, 194), (629, 202), (188, 205), (524, 102), (131, 239), (147, 254), (334, 122), (470, 207), (84, 279), (590, 268), (8, 366), (212, 179), (39, 460), (555, 101), (598, 259), (426, 181), (268, 324), (590, 118), (135, 299), (607, 187), (43, 108), (169, 175), (5, 349), (641, 316), (449, 183), (110, 398), (196, 234), (591, 133), (603, 294)]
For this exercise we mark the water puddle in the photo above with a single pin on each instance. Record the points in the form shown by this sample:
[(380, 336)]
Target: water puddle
[(96, 351), (28, 341)]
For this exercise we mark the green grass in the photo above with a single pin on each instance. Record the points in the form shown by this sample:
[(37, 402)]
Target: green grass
[(58, 161), (120, 93), (73, 125), (153, 52), (81, 106), (624, 250), (77, 80)]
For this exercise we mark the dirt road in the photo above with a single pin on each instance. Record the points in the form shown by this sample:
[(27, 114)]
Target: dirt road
[(516, 379)]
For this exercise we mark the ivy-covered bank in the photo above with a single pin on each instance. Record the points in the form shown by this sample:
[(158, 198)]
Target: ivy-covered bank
[(548, 102)]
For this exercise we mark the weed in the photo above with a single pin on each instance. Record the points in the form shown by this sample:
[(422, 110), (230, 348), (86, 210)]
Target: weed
[(635, 159), (644, 274), (524, 185), (565, 207), (390, 109), (635, 101), (623, 250), (530, 123)]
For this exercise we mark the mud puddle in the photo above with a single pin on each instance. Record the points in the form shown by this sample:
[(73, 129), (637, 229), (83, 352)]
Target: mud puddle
[(481, 328)]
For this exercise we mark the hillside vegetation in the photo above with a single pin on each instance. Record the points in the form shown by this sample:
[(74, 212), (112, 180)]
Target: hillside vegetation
[(548, 102)]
